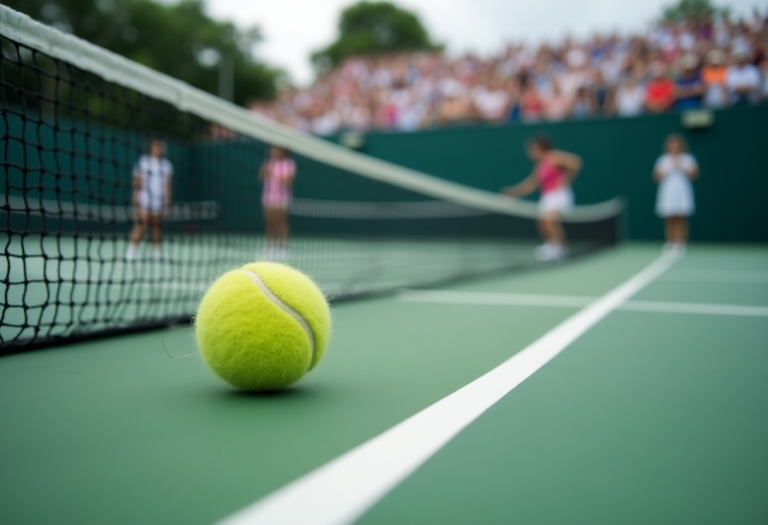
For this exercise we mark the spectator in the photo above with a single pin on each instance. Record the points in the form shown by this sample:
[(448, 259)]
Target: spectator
[(513, 109), (689, 88), (764, 71), (660, 90), (584, 103), (405, 91), (492, 103), (673, 172), (742, 79), (601, 92), (454, 110), (531, 105), (629, 99), (557, 105), (713, 76)]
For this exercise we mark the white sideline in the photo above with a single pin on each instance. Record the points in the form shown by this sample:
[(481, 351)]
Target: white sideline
[(515, 299), (696, 308), (340, 491), (493, 298), (722, 276)]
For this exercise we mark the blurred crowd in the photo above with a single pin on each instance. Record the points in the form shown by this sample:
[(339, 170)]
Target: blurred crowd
[(674, 66)]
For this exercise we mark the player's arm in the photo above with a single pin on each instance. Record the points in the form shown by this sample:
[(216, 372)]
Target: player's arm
[(168, 194), (526, 187), (290, 176), (568, 162), (658, 174), (263, 171), (691, 170)]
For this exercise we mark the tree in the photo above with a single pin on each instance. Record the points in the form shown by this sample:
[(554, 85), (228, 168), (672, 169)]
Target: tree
[(179, 39), (369, 28), (692, 10)]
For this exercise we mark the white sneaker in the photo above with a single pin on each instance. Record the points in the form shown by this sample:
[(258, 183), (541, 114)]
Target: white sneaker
[(543, 252), (281, 254), (559, 252), (675, 248), (551, 252), (266, 254), (158, 255), (131, 254)]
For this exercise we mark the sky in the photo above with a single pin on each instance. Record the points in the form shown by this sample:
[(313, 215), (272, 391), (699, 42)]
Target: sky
[(292, 29)]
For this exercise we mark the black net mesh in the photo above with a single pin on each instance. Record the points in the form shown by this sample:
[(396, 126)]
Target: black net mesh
[(69, 143)]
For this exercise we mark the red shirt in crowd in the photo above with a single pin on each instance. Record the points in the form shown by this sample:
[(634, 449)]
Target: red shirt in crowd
[(660, 94)]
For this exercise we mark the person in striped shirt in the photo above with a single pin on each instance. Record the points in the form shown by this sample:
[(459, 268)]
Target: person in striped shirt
[(277, 175)]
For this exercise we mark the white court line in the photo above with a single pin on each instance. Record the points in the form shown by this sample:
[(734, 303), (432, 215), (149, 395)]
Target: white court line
[(493, 298), (513, 299), (696, 308), (342, 490), (719, 276)]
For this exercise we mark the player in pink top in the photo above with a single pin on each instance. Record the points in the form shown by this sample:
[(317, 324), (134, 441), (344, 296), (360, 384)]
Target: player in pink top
[(553, 175), (277, 174)]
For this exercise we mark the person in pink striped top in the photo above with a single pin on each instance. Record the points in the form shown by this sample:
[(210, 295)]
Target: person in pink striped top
[(277, 174), (553, 175)]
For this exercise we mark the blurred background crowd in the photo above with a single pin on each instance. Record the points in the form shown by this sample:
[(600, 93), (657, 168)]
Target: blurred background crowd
[(707, 62)]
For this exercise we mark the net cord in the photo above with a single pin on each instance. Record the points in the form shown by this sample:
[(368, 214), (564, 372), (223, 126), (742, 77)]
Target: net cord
[(124, 72)]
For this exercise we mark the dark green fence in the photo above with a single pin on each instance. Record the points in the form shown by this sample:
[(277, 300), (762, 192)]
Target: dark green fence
[(619, 155)]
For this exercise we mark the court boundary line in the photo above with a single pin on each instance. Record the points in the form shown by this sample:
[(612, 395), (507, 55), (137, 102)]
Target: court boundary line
[(700, 275), (696, 308), (342, 490), (569, 301)]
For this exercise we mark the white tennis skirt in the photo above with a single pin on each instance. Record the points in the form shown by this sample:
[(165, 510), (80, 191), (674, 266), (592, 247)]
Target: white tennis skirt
[(675, 197), (560, 200)]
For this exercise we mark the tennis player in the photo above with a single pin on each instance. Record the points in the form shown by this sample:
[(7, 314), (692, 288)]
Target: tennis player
[(674, 171), (152, 194), (277, 175), (553, 175)]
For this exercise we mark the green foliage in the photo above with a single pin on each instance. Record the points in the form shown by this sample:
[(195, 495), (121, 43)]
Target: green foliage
[(692, 10), (369, 28), (171, 38)]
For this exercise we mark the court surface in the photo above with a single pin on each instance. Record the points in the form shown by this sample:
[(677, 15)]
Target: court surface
[(656, 413)]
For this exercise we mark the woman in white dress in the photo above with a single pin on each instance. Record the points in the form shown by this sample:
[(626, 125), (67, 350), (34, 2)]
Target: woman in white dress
[(674, 172)]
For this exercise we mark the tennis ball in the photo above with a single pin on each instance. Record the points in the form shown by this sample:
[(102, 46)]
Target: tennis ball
[(263, 326)]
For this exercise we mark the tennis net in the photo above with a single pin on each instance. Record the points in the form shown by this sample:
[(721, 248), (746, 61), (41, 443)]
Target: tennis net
[(75, 119)]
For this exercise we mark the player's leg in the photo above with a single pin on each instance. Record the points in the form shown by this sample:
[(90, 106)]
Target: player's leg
[(553, 227), (551, 230), (269, 231), (139, 227), (682, 230), (284, 227), (280, 233), (681, 233), (272, 225), (156, 232), (670, 231)]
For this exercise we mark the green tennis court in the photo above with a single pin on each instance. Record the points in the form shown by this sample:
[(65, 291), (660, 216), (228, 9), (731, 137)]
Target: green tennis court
[(656, 413)]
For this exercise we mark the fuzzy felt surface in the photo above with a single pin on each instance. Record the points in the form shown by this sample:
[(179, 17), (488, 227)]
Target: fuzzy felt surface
[(252, 343)]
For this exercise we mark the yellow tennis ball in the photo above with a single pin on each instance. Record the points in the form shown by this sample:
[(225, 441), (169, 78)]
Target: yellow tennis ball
[(263, 326)]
